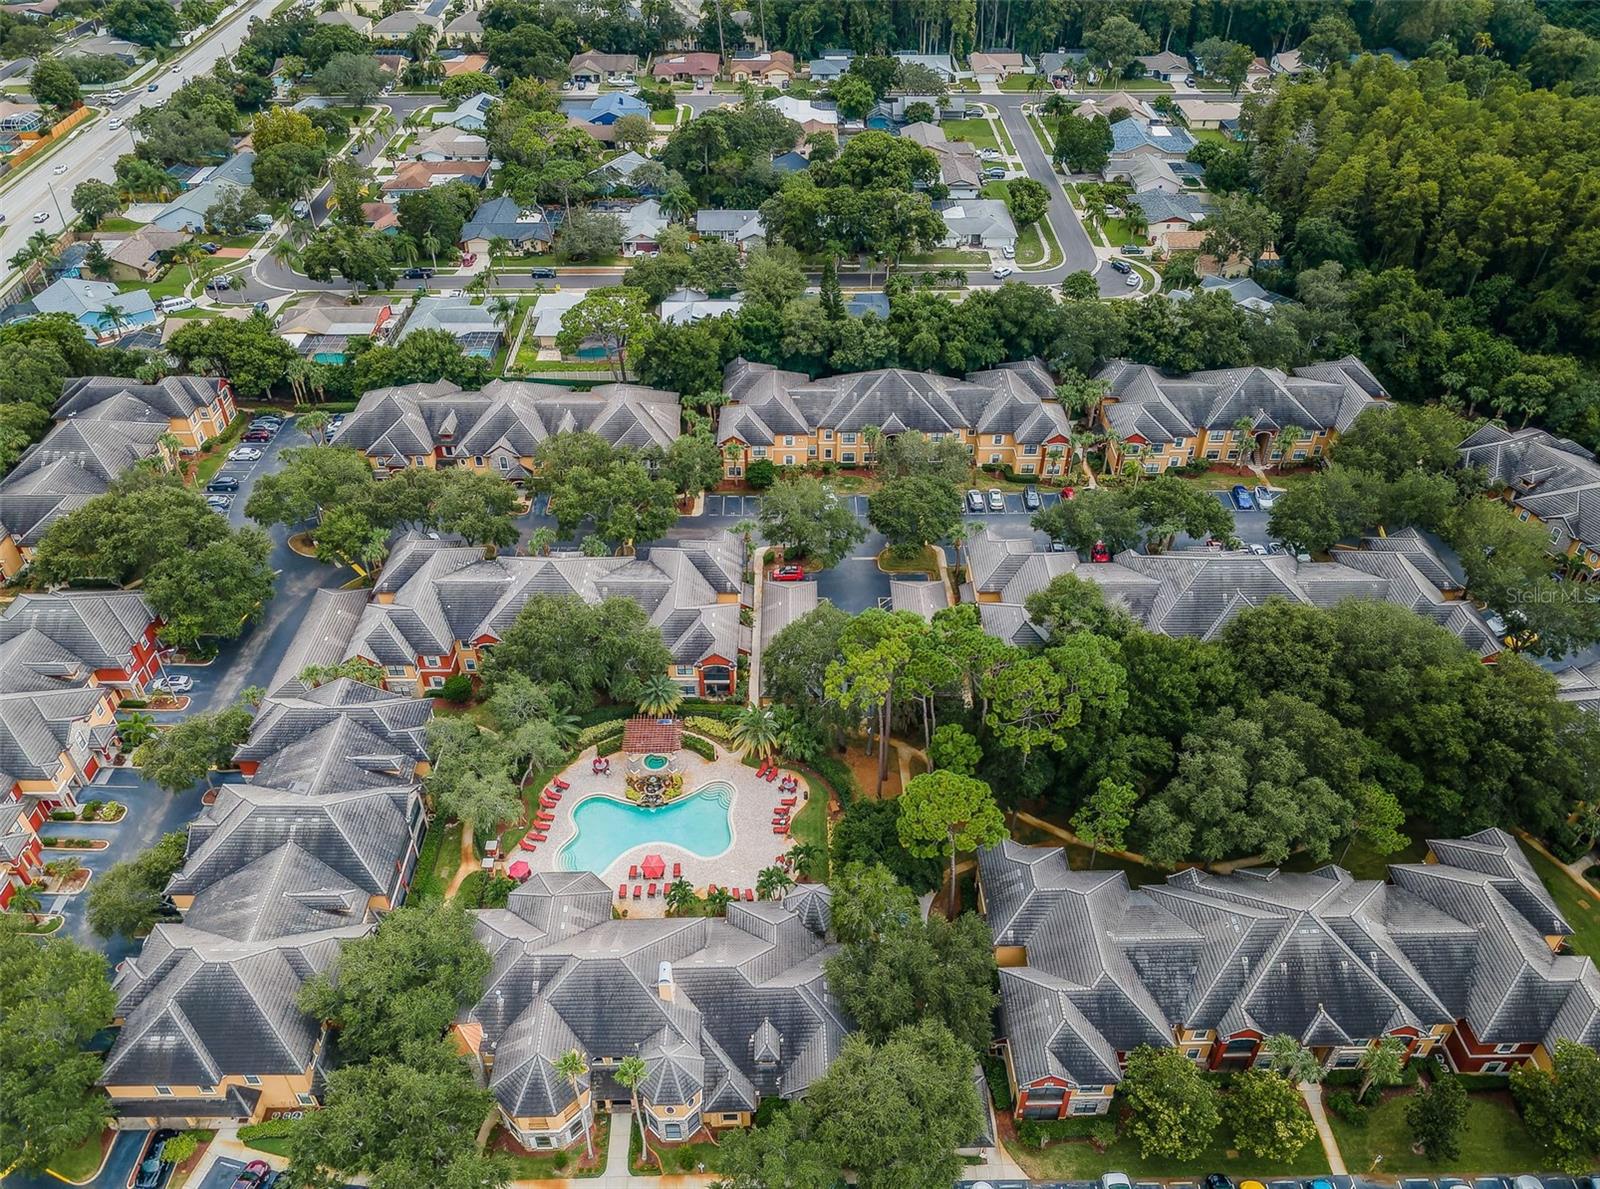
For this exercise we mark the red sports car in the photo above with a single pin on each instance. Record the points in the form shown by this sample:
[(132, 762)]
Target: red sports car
[(789, 574)]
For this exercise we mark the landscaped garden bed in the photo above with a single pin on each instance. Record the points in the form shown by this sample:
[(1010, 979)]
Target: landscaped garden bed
[(99, 812)]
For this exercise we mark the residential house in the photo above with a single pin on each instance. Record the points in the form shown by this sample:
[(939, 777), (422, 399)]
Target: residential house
[(1258, 75), (438, 606), (1288, 62), (188, 211), (19, 117), (1580, 685), (607, 109), (418, 177), (497, 428), (1550, 481), (734, 227), (104, 45), (476, 327), (449, 143), (334, 738), (381, 216), (941, 64), (829, 65), (774, 68), (1208, 113), (548, 311), (398, 26), (91, 304), (321, 326), (470, 115), (594, 67), (1165, 213), (960, 168), (811, 116), (621, 171), (526, 229), (1241, 290), (1134, 137), (456, 63), (691, 305), (141, 256), (1149, 173), (781, 604), (1165, 66), (642, 224), (94, 637), (38, 10), (465, 29), (1108, 105), (1061, 67), (725, 1012), (1453, 957), (686, 68), (345, 18), (983, 223), (20, 849), (997, 65), (195, 408), (924, 597), (790, 162), (1009, 415), (1164, 421), (52, 742)]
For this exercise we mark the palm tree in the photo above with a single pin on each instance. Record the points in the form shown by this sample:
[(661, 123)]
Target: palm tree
[(872, 438), (756, 730), (26, 900), (137, 728), (297, 371), (540, 540), (111, 312), (772, 882), (717, 900), (1245, 428), (677, 203), (680, 896), (405, 248), (1288, 437), (315, 423), (499, 245), (431, 245), (629, 1073), (803, 856), (658, 696), (503, 308), (573, 1066), (1293, 1060), (284, 252), (1110, 442)]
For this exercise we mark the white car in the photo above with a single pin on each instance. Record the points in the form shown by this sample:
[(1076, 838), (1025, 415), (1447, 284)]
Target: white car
[(1003, 272), (1266, 496), (41, 216), (172, 685), (115, 124), (997, 500), (176, 68), (1008, 252), (244, 454), (1113, 212), (59, 170), (1132, 280)]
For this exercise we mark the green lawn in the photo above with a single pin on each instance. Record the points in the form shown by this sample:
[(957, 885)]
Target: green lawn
[(975, 131), (1580, 908), (1215, 134), (117, 223), (1037, 246), (79, 1163), (664, 119), (1078, 1160), (947, 256), (273, 1145), (922, 562), (1116, 232), (1493, 1139), (1021, 82)]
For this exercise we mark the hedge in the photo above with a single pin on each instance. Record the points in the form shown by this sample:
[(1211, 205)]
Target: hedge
[(269, 1129), (716, 728), (703, 748), (838, 774), (615, 713), (610, 745), (994, 1072)]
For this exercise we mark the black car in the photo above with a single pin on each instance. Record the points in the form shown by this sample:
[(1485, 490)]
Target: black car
[(1216, 1180), (210, 249), (153, 1172), (417, 274), (1121, 266), (1031, 500), (542, 274), (223, 485)]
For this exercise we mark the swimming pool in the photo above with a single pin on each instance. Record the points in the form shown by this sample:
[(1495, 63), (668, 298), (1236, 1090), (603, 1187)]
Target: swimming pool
[(608, 828), (655, 762)]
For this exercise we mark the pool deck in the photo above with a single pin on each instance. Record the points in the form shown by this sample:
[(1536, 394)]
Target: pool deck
[(753, 845)]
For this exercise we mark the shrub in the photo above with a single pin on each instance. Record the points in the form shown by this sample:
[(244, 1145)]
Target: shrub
[(703, 748), (761, 474), (270, 1129), (610, 745), (457, 689), (63, 815), (1592, 874), (714, 727), (591, 736), (838, 775), (1566, 843), (1344, 1104), (994, 1072), (560, 1161), (91, 809)]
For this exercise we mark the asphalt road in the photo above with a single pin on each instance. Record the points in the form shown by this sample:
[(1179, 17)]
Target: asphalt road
[(91, 151)]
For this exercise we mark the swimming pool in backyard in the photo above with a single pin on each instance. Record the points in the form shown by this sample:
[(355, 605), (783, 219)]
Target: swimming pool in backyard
[(608, 828)]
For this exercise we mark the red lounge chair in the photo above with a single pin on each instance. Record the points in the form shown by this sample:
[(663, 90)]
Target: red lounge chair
[(622, 891), (761, 770), (780, 829), (528, 845), (633, 871), (638, 891), (749, 894), (772, 774), (710, 888), (677, 871), (549, 792), (539, 837), (561, 784), (652, 893), (788, 802)]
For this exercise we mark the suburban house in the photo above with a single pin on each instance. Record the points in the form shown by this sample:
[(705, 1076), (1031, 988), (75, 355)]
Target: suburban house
[(497, 428), (1108, 105), (983, 223), (52, 742), (345, 18), (1457, 957), (1168, 212), (622, 170), (607, 109), (997, 65), (90, 303), (960, 168), (686, 68), (1550, 481), (1242, 290), (772, 69), (684, 306), (449, 143), (809, 115), (141, 256), (476, 328), (381, 216), (1197, 592), (1208, 113), (438, 605), (203, 190), (81, 637), (465, 29), (548, 310), (397, 26), (104, 45), (593, 67), (1287, 62), (321, 326), (735, 227), (1164, 421), (642, 224), (19, 117), (1165, 66), (418, 177), (1009, 415), (724, 1012), (525, 229), (1134, 137), (1060, 67), (827, 66), (20, 848), (470, 115), (941, 64)]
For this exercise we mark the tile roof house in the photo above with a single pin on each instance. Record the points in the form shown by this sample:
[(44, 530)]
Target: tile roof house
[(458, 63), (498, 427), (1166, 213), (475, 327), (621, 171), (20, 848), (139, 256), (52, 742), (1242, 291), (346, 18), (734, 227), (548, 311), (681, 68), (1170, 420), (1208, 113), (592, 66), (1009, 414), (196, 408), (997, 65), (724, 1012), (829, 64), (941, 64), (449, 143), (338, 737), (1455, 957), (397, 26), (524, 228), (1165, 66), (1549, 480), (437, 605), (642, 224), (607, 109), (461, 30), (470, 114), (983, 223), (321, 326), (417, 177), (1106, 105), (811, 117), (774, 68)]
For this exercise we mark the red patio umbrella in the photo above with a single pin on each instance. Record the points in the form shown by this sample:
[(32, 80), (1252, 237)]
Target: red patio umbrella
[(519, 870), (654, 866)]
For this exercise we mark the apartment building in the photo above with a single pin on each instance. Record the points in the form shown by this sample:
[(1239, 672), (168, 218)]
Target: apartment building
[(1550, 481)]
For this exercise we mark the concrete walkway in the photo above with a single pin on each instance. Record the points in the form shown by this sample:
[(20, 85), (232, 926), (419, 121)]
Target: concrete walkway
[(1312, 1093)]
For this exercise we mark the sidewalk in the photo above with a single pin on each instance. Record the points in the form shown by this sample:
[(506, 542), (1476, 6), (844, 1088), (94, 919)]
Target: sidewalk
[(1330, 1146)]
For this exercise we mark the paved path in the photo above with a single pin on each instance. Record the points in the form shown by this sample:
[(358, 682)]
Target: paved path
[(1312, 1093)]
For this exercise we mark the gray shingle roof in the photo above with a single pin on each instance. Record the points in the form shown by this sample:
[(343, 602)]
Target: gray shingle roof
[(35, 728), (1554, 478), (98, 627)]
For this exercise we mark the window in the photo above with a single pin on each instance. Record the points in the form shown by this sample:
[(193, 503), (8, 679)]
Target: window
[(1507, 1049), (505, 463), (1192, 1054), (759, 452), (730, 1117), (788, 439), (1151, 468), (1277, 454), (1348, 1059), (1178, 443), (543, 1141), (436, 683), (1555, 532), (477, 460), (1030, 450), (1494, 1067), (848, 456), (788, 460), (849, 439), (685, 670), (1298, 455), (431, 661), (998, 439), (811, 452), (1027, 468), (1522, 515), (674, 1131), (1086, 1106), (250, 1079), (305, 1100), (735, 470), (1132, 448), (1213, 455), (471, 666), (1233, 455), (164, 1091), (827, 454), (394, 670), (994, 458), (827, 435)]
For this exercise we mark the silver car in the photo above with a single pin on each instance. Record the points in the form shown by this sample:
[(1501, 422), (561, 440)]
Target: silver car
[(997, 500)]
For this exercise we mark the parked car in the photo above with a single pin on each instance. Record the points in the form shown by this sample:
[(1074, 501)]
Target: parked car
[(1069, 493), (989, 154), (997, 500), (210, 249), (1099, 552), (1004, 271), (252, 1175), (1258, 550), (219, 284), (219, 503), (177, 684), (1057, 547), (244, 454), (995, 173), (1008, 252), (1131, 250), (257, 435), (417, 274), (224, 484), (1133, 280), (468, 260), (1216, 1180), (974, 500), (542, 274), (152, 1173), (1031, 500), (789, 573), (1242, 498), (1112, 212), (1121, 266), (1266, 496), (153, 88), (1115, 1180), (1276, 549)]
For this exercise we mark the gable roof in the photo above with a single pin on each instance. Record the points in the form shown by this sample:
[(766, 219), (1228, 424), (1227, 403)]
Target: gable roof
[(1133, 133), (1554, 478), (99, 628)]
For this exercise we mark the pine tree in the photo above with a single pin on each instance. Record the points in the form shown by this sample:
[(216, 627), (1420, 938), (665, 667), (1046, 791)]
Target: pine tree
[(832, 297)]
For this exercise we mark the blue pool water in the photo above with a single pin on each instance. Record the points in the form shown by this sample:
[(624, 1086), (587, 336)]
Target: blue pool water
[(609, 828)]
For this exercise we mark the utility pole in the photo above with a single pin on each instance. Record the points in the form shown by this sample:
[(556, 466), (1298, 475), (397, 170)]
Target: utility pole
[(51, 186)]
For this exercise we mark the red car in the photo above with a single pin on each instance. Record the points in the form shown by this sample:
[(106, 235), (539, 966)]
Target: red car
[(1068, 493), (1099, 552), (256, 435), (789, 574)]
